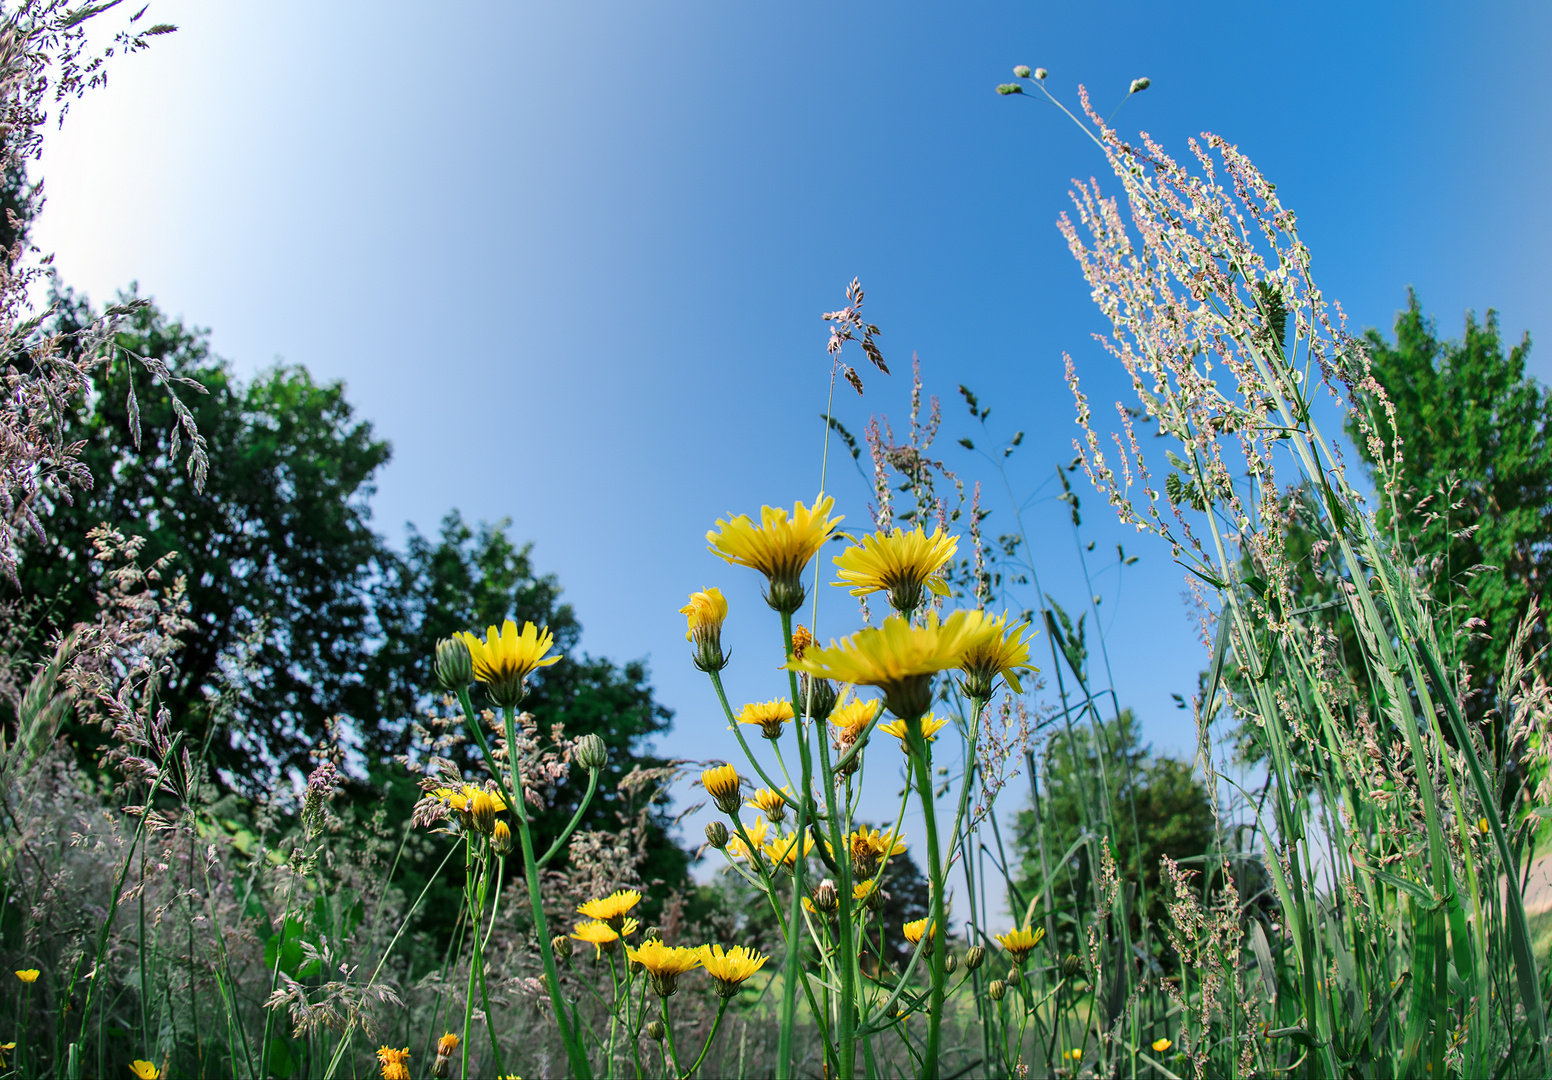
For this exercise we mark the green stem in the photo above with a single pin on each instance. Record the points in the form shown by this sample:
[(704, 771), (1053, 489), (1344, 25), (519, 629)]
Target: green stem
[(937, 928), (474, 949), (480, 941), (715, 1024), (592, 786), (574, 1052), (789, 990), (668, 1028)]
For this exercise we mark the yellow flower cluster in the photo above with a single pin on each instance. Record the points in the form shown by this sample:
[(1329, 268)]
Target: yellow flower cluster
[(393, 1062)]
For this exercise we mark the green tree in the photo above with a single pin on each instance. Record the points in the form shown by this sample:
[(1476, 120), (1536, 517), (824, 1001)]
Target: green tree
[(1100, 778)]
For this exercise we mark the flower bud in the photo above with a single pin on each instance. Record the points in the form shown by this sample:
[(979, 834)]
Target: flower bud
[(826, 898), (590, 753), (974, 957), (1021, 72), (1015, 976), (1010, 88), (454, 665), (482, 809), (1139, 85), (950, 962), (996, 990), (561, 946), (823, 692), (653, 933), (1071, 965), (1041, 73), (656, 1030), (717, 835), (501, 838)]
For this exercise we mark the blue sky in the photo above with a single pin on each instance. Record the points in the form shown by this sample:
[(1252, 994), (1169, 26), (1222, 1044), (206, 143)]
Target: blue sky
[(570, 259)]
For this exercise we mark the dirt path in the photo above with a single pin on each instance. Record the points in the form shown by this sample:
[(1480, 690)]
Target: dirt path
[(1538, 891)]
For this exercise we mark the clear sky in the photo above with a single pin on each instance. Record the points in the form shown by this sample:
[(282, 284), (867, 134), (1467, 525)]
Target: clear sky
[(570, 258)]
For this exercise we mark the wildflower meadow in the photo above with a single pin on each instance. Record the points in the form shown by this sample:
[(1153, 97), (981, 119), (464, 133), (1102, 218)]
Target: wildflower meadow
[(495, 881)]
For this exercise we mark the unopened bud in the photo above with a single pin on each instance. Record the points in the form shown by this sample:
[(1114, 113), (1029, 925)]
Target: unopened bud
[(1139, 85), (996, 990), (454, 665), (440, 1067), (501, 838), (1015, 976), (653, 933), (482, 808), (822, 691), (656, 1030), (717, 835), (561, 946), (1022, 71), (591, 753), (826, 898), (1010, 88), (950, 962), (1071, 965), (1041, 73), (974, 957)]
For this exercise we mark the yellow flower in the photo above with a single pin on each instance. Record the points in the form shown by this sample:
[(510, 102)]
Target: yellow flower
[(1021, 941), (664, 963), (722, 785), (501, 838), (899, 563), (770, 803), (1482, 826), (914, 930), (447, 1044), (5, 1053), (732, 968), (1005, 652), (612, 908), (505, 658), (601, 936), (779, 547), (869, 846), (756, 832), (867, 893), (770, 715), (1161, 1045), (930, 724), (1075, 1054), (801, 639), (28, 975), (705, 612), (851, 718), (392, 1062), (899, 658), (144, 1070), (783, 850)]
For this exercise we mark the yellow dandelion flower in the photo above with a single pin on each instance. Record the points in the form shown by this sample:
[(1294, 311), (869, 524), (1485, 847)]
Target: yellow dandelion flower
[(705, 613), (801, 639), (914, 931), (930, 725), (732, 968), (601, 936), (28, 975), (144, 1070), (851, 718), (722, 784), (771, 803), (612, 908), (868, 893), (779, 547), (393, 1062), (898, 658), (868, 847), (447, 1044), (1004, 652), (757, 831), (783, 850), (664, 963), (1021, 941), (501, 838), (769, 715), (1075, 1054), (899, 563), (506, 657), (1161, 1045)]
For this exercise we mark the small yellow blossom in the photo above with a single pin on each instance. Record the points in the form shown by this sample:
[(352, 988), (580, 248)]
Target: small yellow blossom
[(801, 639), (612, 908), (28, 975), (779, 547), (783, 850), (664, 963), (705, 614), (506, 657), (393, 1062), (1021, 941), (5, 1053), (931, 725), (722, 784), (868, 847), (769, 715), (756, 831), (601, 936), (144, 1070), (899, 658), (1483, 827), (732, 968), (914, 930), (851, 718), (447, 1044), (771, 803), (1004, 652), (1075, 1054), (899, 563), (1161, 1045)]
